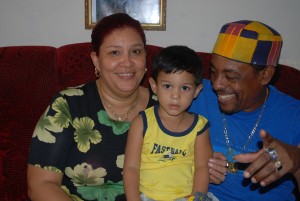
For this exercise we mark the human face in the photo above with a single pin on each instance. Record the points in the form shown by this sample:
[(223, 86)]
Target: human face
[(121, 61), (238, 86), (175, 91)]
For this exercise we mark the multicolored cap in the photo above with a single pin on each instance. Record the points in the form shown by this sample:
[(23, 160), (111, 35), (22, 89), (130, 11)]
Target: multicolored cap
[(250, 42)]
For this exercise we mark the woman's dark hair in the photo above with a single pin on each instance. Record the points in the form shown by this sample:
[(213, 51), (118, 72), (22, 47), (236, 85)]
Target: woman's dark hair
[(178, 58), (112, 22)]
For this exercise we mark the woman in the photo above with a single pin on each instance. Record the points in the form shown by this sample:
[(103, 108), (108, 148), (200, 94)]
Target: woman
[(78, 145)]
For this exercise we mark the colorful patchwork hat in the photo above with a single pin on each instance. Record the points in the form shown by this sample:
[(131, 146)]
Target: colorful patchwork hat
[(249, 42)]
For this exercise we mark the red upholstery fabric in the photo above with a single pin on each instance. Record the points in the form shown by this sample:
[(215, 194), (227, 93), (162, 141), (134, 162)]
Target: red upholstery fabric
[(74, 65), (287, 79), (29, 77), (27, 81)]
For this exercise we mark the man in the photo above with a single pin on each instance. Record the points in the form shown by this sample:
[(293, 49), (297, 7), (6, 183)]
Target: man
[(251, 121)]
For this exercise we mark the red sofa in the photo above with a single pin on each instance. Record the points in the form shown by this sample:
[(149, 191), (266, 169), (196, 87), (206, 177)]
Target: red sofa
[(30, 75)]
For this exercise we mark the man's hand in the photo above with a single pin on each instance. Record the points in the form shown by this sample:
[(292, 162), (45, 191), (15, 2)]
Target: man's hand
[(217, 168), (262, 169)]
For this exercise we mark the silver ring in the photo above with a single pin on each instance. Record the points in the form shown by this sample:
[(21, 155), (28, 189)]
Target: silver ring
[(278, 165), (272, 154)]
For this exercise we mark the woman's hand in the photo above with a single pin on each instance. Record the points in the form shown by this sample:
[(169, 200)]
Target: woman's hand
[(217, 168), (263, 168)]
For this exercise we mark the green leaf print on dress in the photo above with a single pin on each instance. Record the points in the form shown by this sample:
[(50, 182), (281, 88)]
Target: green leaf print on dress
[(62, 116), (44, 125), (118, 127), (56, 123), (120, 162), (84, 134), (90, 183), (51, 168), (108, 191), (73, 91), (73, 197)]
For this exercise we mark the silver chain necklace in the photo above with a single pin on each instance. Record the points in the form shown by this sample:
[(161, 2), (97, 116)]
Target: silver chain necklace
[(232, 167)]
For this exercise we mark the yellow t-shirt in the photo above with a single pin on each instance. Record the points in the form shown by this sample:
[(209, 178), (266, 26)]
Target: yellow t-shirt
[(167, 159)]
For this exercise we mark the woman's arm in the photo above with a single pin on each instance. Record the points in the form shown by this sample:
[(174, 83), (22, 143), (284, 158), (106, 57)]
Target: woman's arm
[(203, 151), (131, 170), (45, 185)]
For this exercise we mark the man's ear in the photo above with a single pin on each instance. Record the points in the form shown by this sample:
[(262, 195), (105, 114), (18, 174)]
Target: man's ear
[(198, 89), (267, 74), (153, 85)]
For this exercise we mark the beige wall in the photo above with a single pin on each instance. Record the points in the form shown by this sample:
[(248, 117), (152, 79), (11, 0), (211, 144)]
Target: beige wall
[(194, 23)]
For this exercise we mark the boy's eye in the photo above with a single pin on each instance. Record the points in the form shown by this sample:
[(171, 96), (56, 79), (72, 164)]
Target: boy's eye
[(166, 86), (185, 88)]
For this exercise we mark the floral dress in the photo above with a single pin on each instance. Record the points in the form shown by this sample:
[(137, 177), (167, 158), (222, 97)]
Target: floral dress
[(76, 137)]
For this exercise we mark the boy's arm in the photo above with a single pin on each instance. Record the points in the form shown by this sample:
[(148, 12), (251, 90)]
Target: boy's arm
[(203, 151), (131, 170)]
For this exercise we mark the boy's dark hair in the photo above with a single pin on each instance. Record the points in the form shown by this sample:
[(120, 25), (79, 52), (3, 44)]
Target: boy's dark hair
[(177, 58)]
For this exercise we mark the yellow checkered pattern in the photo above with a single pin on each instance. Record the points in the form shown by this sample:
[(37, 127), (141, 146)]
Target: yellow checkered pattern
[(249, 42)]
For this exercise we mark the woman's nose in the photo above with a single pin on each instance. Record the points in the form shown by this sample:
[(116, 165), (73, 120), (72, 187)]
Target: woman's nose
[(126, 60)]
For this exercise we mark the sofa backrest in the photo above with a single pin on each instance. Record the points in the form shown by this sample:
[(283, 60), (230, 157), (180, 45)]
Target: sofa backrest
[(75, 67), (27, 82), (30, 75)]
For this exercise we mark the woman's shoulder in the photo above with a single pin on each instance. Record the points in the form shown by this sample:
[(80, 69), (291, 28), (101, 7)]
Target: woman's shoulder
[(81, 95), (147, 97), (152, 98), (77, 91)]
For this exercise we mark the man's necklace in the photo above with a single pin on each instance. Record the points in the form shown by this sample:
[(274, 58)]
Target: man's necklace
[(232, 167)]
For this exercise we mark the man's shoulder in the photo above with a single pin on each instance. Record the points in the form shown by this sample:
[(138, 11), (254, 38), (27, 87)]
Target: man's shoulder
[(282, 97)]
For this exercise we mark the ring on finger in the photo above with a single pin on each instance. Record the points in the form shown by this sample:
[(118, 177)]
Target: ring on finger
[(272, 154), (278, 165)]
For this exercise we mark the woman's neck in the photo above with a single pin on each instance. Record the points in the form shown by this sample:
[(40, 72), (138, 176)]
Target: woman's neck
[(118, 106)]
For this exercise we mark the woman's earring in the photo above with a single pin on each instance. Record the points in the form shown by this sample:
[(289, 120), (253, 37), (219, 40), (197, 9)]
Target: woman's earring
[(146, 70), (97, 73)]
